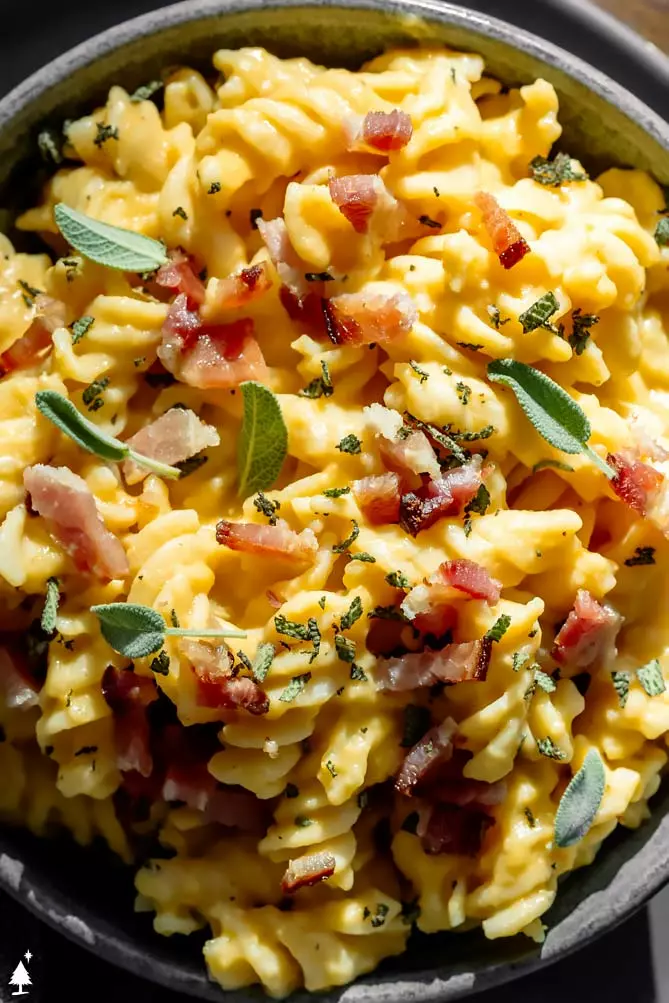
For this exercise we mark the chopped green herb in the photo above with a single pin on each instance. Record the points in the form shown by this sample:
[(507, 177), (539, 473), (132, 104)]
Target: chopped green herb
[(416, 724), (471, 345), (290, 628), (341, 548), (410, 912), (519, 660), (314, 636), (267, 507), (174, 618), (353, 613), (499, 628), (147, 91), (104, 132), (555, 172), (548, 748), (301, 821), (364, 557), (427, 221), (336, 492), (81, 327), (93, 394), (319, 277), (482, 433), (358, 674), (379, 917), (263, 661), (51, 602), (424, 377), (539, 313), (642, 555), (322, 601), (479, 502), (651, 678), (180, 211), (86, 750), (529, 815), (295, 687), (345, 648), (29, 292), (544, 681), (321, 386), (580, 332), (387, 613), (442, 438), (350, 444), (496, 317), (463, 391), (161, 664), (398, 580), (621, 684), (662, 232), (330, 767), (214, 188)]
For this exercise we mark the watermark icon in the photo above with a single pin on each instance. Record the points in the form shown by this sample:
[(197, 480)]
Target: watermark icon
[(20, 977)]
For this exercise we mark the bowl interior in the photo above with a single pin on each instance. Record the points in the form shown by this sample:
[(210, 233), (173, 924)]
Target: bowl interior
[(86, 894)]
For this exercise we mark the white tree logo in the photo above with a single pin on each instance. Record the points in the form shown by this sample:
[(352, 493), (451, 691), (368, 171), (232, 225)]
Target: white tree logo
[(20, 977)]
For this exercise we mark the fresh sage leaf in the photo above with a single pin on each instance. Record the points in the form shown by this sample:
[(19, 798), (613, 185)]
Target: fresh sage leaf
[(263, 661), (137, 631), (580, 802), (555, 415), (263, 440), (64, 415), (651, 678), (111, 246)]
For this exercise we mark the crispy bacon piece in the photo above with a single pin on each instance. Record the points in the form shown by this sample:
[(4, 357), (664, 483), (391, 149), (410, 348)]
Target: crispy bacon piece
[(433, 749), (469, 578), (225, 692), (379, 498), (364, 318), (175, 436), (306, 871), (451, 829), (209, 356), (508, 243), (386, 131), (238, 290), (355, 196), (17, 686), (128, 695), (190, 781), (467, 661), (179, 275), (36, 341), (588, 634), (635, 483), (279, 541), (435, 621), (438, 497), (65, 501), (310, 310), (289, 268)]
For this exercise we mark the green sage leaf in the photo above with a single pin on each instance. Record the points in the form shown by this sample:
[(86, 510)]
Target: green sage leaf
[(580, 802), (263, 440), (133, 630), (651, 678), (51, 602), (111, 246), (555, 415)]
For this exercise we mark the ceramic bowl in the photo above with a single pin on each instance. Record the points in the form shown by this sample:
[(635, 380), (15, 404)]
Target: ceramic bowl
[(85, 893)]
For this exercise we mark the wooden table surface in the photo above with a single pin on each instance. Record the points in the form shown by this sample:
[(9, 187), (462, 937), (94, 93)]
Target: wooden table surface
[(648, 17)]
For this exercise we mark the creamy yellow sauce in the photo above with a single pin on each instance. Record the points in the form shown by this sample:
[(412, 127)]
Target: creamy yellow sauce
[(268, 137)]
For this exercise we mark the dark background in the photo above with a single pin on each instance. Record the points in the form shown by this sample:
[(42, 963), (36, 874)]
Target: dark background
[(618, 968)]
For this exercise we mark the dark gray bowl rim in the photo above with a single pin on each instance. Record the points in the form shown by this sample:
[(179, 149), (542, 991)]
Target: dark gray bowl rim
[(427, 986)]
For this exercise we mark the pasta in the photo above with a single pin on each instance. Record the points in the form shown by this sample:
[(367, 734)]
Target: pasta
[(379, 665)]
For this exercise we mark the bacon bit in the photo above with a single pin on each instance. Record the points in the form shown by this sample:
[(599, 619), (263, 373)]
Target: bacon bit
[(363, 318), (224, 692), (65, 501), (379, 498), (175, 436), (307, 871), (508, 243), (275, 601), (179, 275), (238, 290), (467, 661), (450, 829), (438, 497), (413, 455), (355, 196), (309, 310), (469, 578), (37, 339), (16, 683), (433, 749), (384, 637), (209, 356), (232, 807), (128, 695), (436, 621), (635, 483), (587, 633), (386, 131), (289, 268), (268, 541)]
